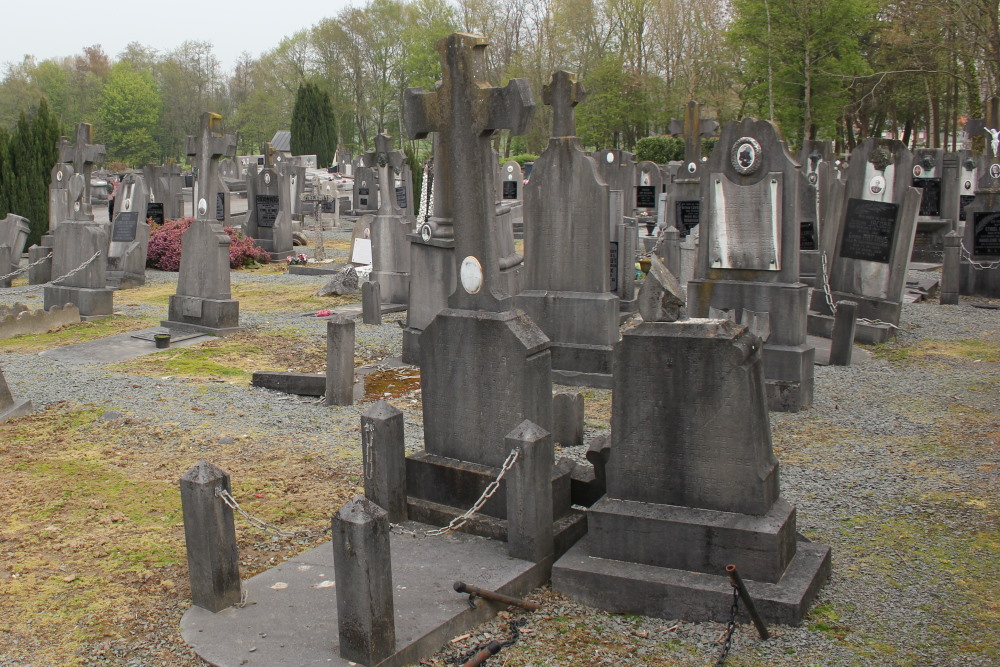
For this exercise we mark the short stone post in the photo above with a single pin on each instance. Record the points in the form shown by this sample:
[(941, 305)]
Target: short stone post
[(567, 418), (371, 303), (340, 361), (844, 324), (529, 494), (384, 459), (363, 572), (210, 537), (670, 250), (6, 262), (951, 270)]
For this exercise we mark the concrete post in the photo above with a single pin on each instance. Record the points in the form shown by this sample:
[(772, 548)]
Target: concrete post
[(210, 537), (6, 263), (670, 250), (384, 459), (340, 361), (844, 324), (567, 418), (363, 573), (529, 494), (371, 303), (951, 270)]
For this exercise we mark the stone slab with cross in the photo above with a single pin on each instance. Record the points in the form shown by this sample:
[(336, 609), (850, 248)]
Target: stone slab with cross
[(164, 185), (83, 155), (269, 220), (129, 240), (390, 226)]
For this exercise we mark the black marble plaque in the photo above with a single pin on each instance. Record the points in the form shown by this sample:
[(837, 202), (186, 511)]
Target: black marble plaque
[(688, 213), (614, 266), (154, 210), (807, 235), (986, 233), (267, 210), (510, 190), (869, 230), (220, 206), (645, 196), (362, 191), (930, 202), (963, 201), (401, 198), (124, 228), (326, 207)]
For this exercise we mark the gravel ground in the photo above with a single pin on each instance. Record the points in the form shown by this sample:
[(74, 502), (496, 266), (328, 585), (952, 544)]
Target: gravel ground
[(895, 467)]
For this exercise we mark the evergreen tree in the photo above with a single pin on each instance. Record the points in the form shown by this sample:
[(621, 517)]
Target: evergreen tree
[(314, 126), (26, 159)]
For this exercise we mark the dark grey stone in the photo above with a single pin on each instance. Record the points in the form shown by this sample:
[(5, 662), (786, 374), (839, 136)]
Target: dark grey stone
[(339, 361), (567, 418), (345, 282), (529, 494), (371, 303), (842, 342), (952, 270), (384, 459), (300, 384), (661, 298), (363, 571), (9, 407), (984, 279), (210, 538)]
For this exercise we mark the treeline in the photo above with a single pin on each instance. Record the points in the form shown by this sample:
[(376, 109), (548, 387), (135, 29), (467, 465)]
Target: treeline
[(842, 70)]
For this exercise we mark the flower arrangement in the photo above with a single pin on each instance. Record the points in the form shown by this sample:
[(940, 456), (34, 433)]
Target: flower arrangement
[(297, 259)]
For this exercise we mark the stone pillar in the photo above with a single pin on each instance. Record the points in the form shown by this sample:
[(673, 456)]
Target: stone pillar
[(669, 250), (340, 361), (529, 494), (384, 458), (363, 574), (844, 323), (371, 303), (210, 536), (951, 270), (567, 418), (6, 256)]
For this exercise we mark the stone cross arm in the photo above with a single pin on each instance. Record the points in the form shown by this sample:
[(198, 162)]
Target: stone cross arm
[(562, 93)]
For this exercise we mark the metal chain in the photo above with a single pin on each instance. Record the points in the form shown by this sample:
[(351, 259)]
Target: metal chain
[(730, 629), (76, 270), (826, 283), (515, 626), (368, 442), (979, 266), (256, 522), (29, 266)]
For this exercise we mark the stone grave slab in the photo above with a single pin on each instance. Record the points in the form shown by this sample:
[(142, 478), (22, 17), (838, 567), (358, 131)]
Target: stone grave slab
[(123, 347)]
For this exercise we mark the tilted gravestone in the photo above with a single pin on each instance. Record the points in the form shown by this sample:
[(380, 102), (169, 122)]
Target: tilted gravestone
[(14, 231), (869, 241), (203, 300), (390, 249), (748, 254), (129, 235), (9, 407), (566, 278)]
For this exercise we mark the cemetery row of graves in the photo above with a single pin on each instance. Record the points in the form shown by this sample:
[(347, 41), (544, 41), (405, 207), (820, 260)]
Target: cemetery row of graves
[(552, 415)]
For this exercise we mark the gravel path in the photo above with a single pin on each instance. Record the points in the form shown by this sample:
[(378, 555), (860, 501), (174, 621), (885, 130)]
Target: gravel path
[(895, 467)]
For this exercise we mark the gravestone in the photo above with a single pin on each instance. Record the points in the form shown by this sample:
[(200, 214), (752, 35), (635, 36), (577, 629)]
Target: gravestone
[(293, 176), (566, 292), (484, 366), (9, 407), (83, 155), (748, 255), (617, 169), (511, 180), (687, 493), (14, 231), (815, 158), (60, 206), (268, 220), (361, 241), (203, 300), (164, 185), (968, 179), (684, 201), (129, 235), (390, 251), (405, 197), (979, 273), (365, 194), (935, 174), (80, 243), (870, 239), (648, 186)]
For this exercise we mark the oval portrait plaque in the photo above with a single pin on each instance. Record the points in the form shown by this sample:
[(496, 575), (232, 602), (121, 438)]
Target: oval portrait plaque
[(745, 155), (471, 275)]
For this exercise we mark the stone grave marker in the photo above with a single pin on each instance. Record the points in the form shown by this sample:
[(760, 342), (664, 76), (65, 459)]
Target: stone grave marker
[(748, 255), (80, 243), (870, 240), (567, 206), (968, 179), (164, 185), (684, 200), (60, 207), (83, 155), (9, 406), (979, 248), (203, 300), (511, 181), (14, 232), (365, 193), (617, 169), (268, 220), (815, 157), (129, 235), (390, 251), (935, 174)]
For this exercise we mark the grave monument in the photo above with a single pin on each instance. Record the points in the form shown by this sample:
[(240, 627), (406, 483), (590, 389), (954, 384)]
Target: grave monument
[(129, 235), (268, 220), (980, 243), (390, 249)]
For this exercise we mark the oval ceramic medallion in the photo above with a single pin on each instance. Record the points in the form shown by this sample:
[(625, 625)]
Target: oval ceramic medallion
[(876, 185), (59, 175), (813, 178), (202, 207), (610, 157), (995, 171), (968, 185), (267, 179), (426, 232), (472, 275), (692, 167), (745, 155), (510, 169), (917, 170), (127, 205)]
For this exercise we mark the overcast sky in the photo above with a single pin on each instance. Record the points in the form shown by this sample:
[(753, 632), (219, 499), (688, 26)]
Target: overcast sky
[(58, 28)]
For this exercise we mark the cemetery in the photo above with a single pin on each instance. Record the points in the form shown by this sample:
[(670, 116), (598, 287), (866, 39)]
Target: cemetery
[(725, 394)]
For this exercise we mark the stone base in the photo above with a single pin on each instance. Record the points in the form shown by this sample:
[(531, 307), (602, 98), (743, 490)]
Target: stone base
[(18, 409), (979, 282), (394, 287), (810, 266), (91, 302), (869, 334), (631, 588), (315, 270), (574, 379), (794, 363), (41, 274), (219, 317), (868, 308), (300, 384), (411, 346)]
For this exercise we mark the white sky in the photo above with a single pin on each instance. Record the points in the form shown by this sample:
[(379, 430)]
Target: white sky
[(58, 28)]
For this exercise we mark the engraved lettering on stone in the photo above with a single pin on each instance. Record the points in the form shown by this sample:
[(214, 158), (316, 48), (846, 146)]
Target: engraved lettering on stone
[(746, 225)]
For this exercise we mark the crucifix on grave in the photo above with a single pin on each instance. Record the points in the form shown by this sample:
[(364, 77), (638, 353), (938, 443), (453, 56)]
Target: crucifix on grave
[(387, 162), (693, 127), (84, 155), (563, 93), (207, 149), (464, 111)]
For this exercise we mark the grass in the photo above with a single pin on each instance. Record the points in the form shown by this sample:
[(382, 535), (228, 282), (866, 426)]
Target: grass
[(930, 349), (80, 332)]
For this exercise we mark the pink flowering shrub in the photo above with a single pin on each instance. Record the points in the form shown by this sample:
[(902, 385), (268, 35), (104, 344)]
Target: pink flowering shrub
[(165, 247)]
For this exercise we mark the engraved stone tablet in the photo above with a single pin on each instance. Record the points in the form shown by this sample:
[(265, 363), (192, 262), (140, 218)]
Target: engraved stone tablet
[(401, 197), (930, 203), (267, 210), (688, 214), (807, 235), (986, 233), (124, 228), (963, 201), (220, 206), (613, 262), (746, 224), (869, 230), (154, 210), (645, 196), (510, 189)]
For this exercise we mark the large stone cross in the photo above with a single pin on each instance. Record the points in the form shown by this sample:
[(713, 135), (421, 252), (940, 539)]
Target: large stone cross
[(464, 111), (563, 93), (268, 151), (693, 127), (207, 149), (385, 160), (84, 155)]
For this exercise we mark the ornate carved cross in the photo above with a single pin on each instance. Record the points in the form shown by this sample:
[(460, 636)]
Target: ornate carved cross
[(84, 155), (207, 149), (385, 160), (694, 127)]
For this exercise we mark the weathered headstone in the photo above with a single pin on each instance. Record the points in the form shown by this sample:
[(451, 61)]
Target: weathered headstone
[(815, 158), (78, 269), (749, 252), (340, 361), (203, 300), (14, 231), (9, 407), (365, 194), (980, 243), (566, 278), (935, 174), (648, 187), (129, 235), (684, 200), (511, 180), (60, 206), (268, 220), (83, 155), (164, 185), (390, 249)]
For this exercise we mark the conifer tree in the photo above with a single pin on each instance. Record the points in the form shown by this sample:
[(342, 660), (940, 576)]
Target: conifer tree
[(314, 126)]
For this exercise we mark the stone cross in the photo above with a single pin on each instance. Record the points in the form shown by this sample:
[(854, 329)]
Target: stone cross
[(693, 128), (84, 155), (385, 160), (464, 111), (563, 93), (268, 151), (207, 149)]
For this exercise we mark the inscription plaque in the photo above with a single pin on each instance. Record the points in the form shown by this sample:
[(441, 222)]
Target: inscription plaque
[(869, 230), (745, 224), (510, 190), (807, 235), (930, 202), (362, 191), (220, 206), (963, 201), (645, 196), (124, 228), (267, 210), (401, 198), (986, 233), (154, 210), (687, 213), (614, 265)]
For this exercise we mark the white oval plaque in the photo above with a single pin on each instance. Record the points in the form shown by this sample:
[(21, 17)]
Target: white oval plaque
[(59, 175), (426, 232), (877, 185), (995, 171), (127, 205), (510, 169), (610, 157), (202, 206), (472, 275), (267, 179), (692, 167)]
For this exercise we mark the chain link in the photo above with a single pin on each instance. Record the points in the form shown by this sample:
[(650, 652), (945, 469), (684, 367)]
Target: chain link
[(77, 270), (825, 277), (979, 266), (256, 522), (368, 441), (730, 629), (515, 626), (26, 268)]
